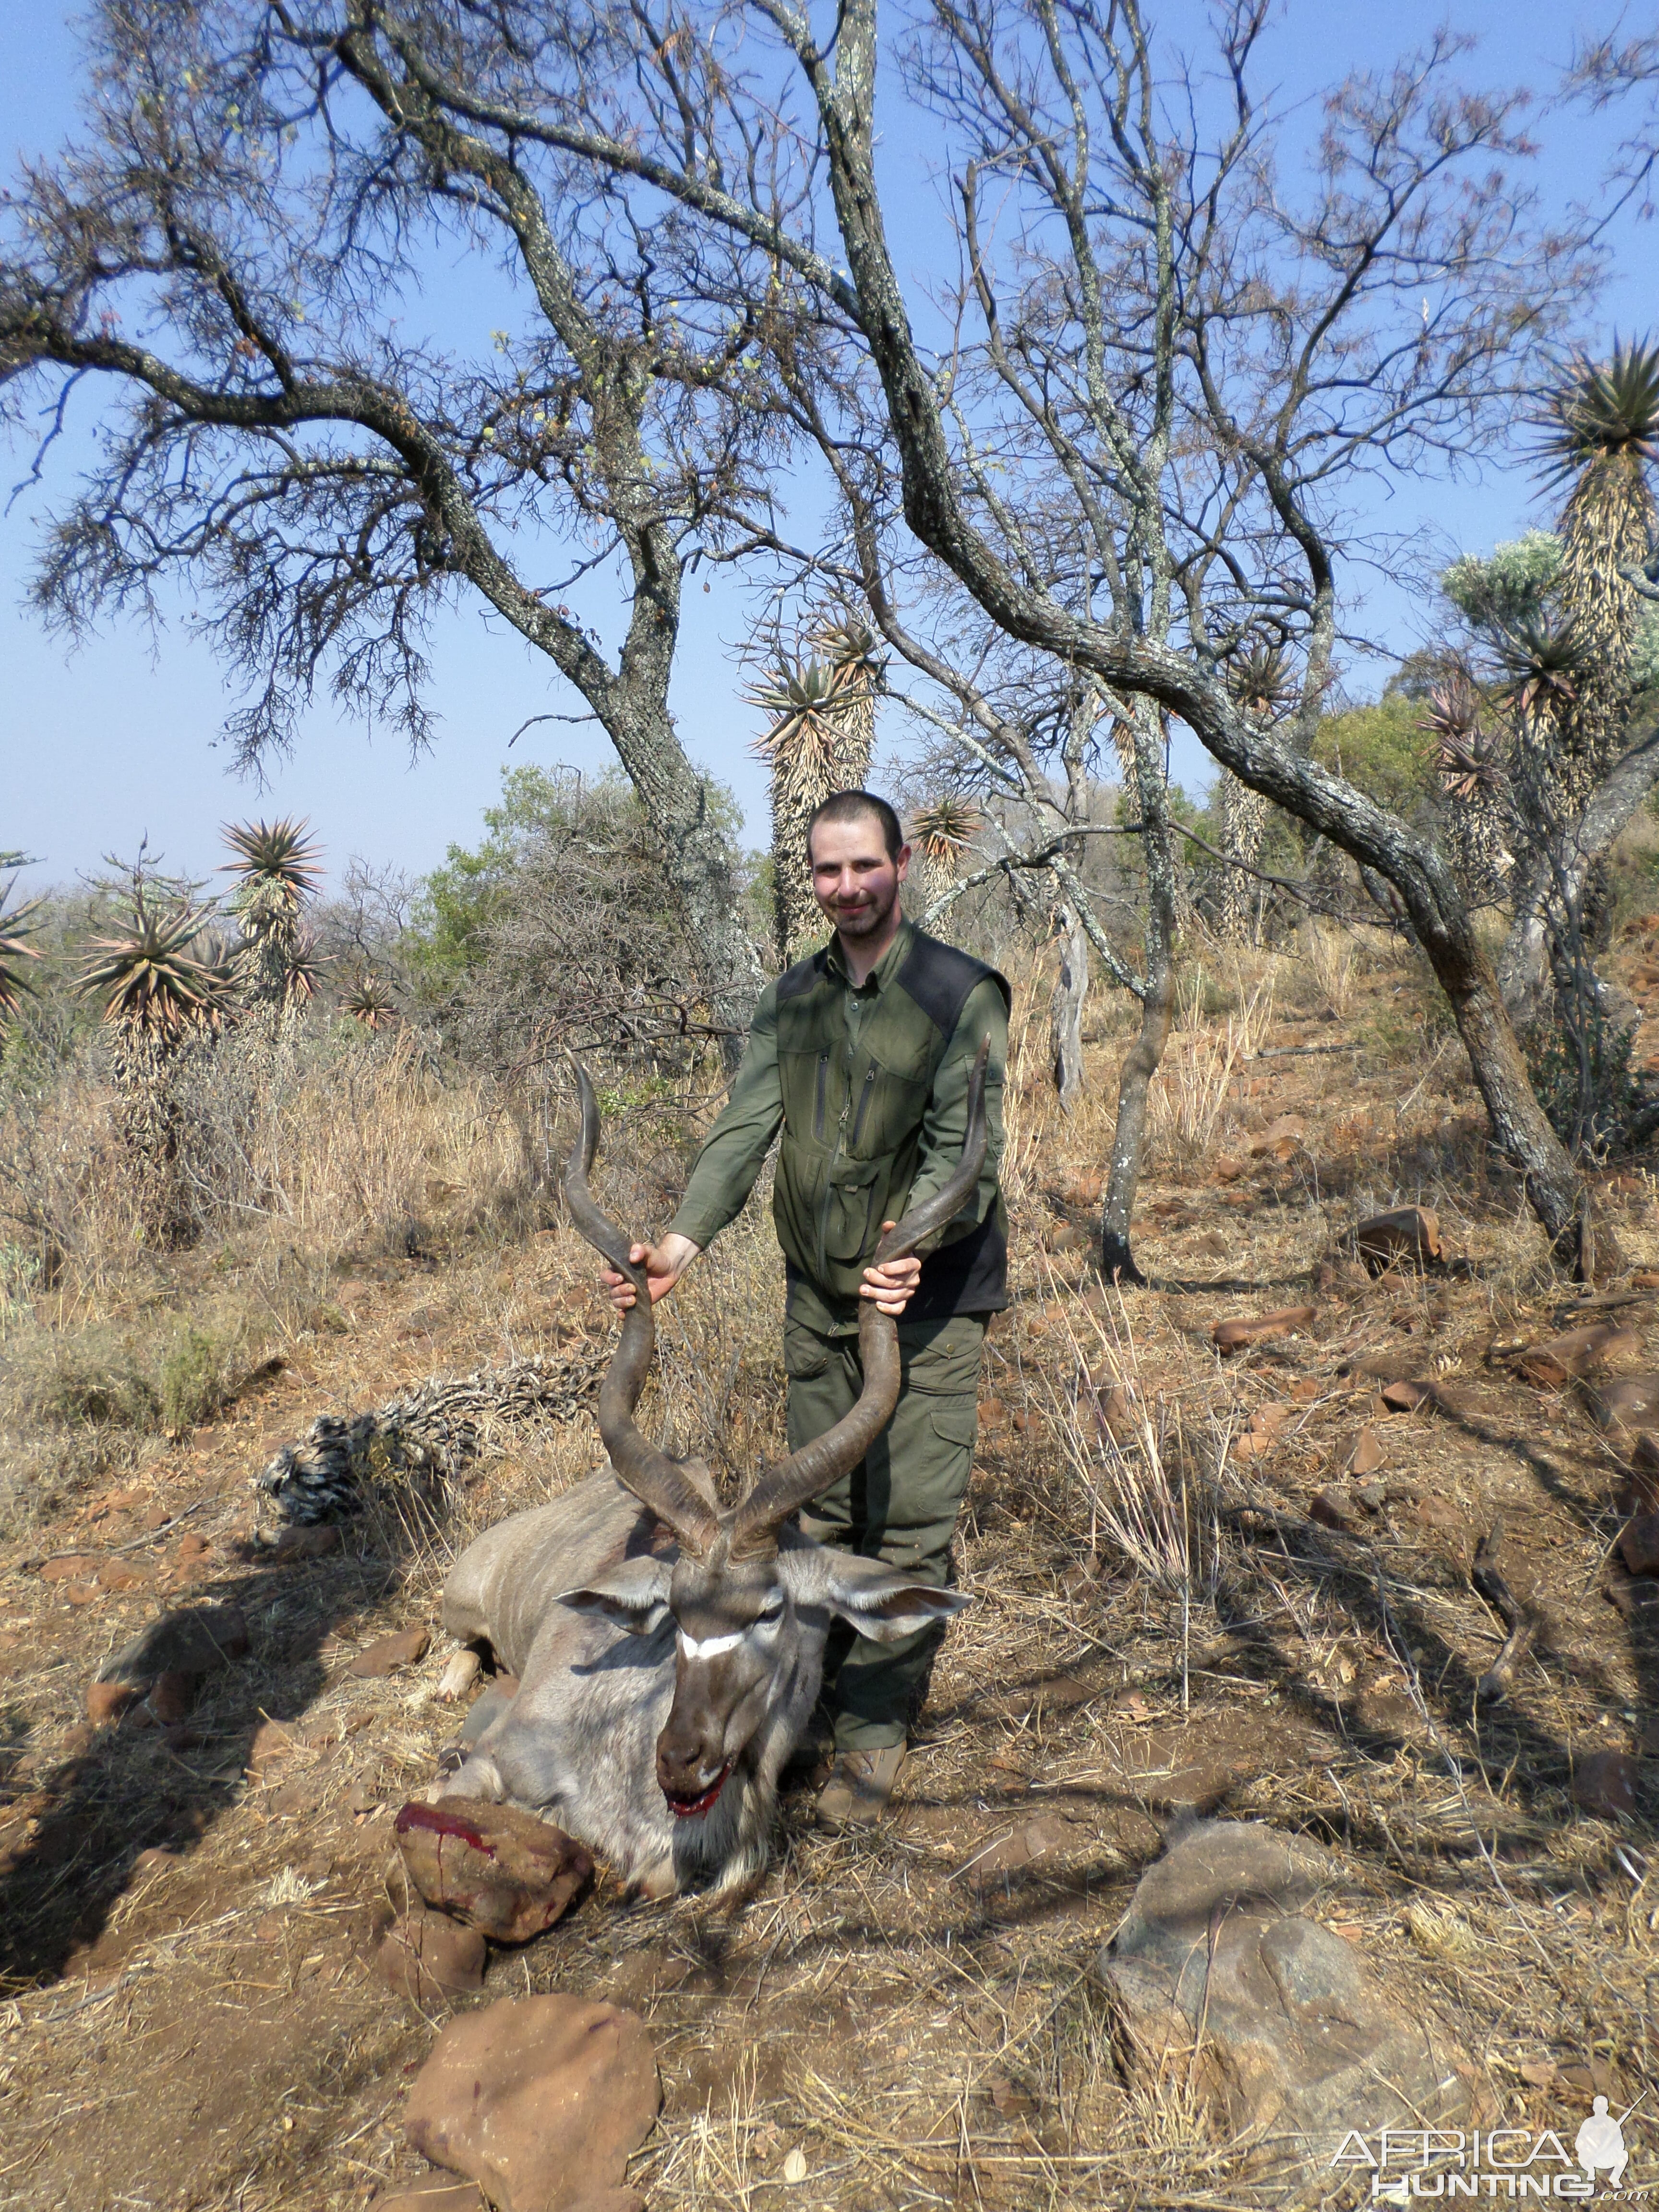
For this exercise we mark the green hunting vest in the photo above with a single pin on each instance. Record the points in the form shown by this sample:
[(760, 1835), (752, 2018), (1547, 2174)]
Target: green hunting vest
[(855, 1097)]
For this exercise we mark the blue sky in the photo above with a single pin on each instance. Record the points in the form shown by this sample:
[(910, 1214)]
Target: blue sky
[(116, 739)]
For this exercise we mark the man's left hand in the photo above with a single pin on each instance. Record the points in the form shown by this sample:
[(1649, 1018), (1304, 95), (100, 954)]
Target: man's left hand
[(893, 1284)]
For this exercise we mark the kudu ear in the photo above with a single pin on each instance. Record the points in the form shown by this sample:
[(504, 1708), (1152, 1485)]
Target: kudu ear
[(882, 1603), (635, 1594)]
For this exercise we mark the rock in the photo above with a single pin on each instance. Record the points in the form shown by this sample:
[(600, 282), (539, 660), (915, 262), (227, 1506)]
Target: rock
[(71, 1567), (107, 1701), (155, 1517), (1294, 2037), (157, 1860), (1014, 2102), (1562, 1360), (541, 2100), (1268, 1420), (1410, 1233), (406, 1649), (497, 1868), (272, 1740), (1373, 1496), (192, 1546), (82, 1593), (1604, 1784), (1233, 1335), (435, 2196), (425, 1955), (1334, 1508), (1280, 1139), (362, 1797), (1250, 1446), (1038, 1840), (1364, 1455), (196, 1641), (1639, 1545), (1629, 1405), (127, 1574), (294, 1799), (1634, 1599), (1405, 1394), (1440, 1513), (292, 1545), (171, 1696)]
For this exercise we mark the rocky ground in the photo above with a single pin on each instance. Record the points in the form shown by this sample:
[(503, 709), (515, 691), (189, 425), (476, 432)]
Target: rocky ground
[(188, 1884)]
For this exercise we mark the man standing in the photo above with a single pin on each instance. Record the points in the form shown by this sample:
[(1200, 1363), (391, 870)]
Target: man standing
[(861, 1055)]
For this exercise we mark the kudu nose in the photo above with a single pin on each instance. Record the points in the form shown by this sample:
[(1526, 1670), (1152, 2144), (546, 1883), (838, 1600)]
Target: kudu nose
[(688, 1758)]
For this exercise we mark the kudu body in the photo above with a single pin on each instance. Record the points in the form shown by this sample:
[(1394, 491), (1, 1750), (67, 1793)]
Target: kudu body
[(670, 1650)]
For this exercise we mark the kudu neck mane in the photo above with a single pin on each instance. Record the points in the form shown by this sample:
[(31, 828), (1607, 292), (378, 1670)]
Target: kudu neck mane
[(681, 1493)]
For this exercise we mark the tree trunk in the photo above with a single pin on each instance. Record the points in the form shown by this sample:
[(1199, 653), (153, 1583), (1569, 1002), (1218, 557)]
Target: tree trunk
[(1066, 1010), (1145, 1055), (1243, 819)]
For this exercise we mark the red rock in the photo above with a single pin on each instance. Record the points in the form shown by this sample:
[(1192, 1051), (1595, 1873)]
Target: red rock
[(198, 1640), (435, 2196), (127, 1574), (1646, 1278), (1604, 1784), (1439, 1513), (1639, 1545), (155, 1517), (192, 1546), (171, 1696), (1364, 1455), (107, 1701), (295, 1544), (1562, 1360), (1251, 1446), (1233, 1335), (1280, 1139), (303, 1795), (426, 1955), (499, 1869), (82, 1593), (1405, 1396), (1630, 1405), (1334, 1508), (1410, 1233), (76, 1744), (157, 1860), (1306, 1388), (541, 2100), (272, 1740), (71, 1567), (406, 1649)]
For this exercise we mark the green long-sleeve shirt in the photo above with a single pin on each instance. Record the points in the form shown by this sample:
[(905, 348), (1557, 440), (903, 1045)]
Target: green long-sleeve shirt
[(735, 1149)]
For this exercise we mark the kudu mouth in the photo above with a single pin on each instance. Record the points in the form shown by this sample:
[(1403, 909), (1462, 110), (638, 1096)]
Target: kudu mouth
[(668, 1489), (693, 1808)]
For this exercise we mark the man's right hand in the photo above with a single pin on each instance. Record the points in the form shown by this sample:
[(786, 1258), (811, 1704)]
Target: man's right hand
[(664, 1265)]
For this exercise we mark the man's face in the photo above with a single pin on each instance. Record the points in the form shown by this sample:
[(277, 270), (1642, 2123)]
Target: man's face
[(853, 879)]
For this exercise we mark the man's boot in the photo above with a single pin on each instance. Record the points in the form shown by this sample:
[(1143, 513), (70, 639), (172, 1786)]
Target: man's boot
[(860, 1785)]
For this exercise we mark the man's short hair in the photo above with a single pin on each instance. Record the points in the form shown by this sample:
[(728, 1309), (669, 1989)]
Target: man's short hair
[(856, 807)]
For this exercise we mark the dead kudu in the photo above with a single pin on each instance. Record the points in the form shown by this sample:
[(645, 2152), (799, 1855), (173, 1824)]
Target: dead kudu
[(670, 1649)]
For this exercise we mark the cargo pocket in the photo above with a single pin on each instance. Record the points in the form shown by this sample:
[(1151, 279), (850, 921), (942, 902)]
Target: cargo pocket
[(955, 1421), (806, 1354), (851, 1221)]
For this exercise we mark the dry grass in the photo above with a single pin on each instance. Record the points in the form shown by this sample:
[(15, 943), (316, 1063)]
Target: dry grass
[(909, 2018)]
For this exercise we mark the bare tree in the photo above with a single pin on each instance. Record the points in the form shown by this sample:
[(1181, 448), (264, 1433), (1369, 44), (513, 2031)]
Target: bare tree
[(240, 248), (1200, 359)]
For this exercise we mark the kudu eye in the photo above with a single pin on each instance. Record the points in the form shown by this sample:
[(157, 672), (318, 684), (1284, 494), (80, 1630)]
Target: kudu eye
[(771, 1610)]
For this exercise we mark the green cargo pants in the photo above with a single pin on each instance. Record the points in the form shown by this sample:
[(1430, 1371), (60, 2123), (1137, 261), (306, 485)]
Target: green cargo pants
[(899, 1504)]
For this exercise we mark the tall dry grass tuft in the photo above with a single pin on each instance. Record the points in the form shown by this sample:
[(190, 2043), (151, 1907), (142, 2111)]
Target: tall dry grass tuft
[(1190, 1092), (1127, 1452), (323, 1138)]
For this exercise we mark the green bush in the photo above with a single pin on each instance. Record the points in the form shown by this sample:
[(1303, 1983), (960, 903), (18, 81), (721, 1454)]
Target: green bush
[(198, 1371)]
